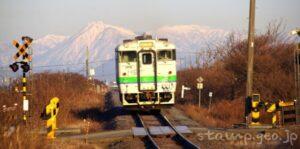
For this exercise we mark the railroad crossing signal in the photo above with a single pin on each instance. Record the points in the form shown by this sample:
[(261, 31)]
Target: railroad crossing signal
[(25, 67), (22, 52)]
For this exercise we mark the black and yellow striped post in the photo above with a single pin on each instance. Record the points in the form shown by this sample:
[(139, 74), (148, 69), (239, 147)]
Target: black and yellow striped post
[(50, 115), (272, 108), (255, 115), (288, 112), (24, 92), (49, 123), (55, 102)]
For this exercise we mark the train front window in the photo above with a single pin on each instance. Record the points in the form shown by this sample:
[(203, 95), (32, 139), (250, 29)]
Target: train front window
[(127, 56), (166, 55), (147, 58)]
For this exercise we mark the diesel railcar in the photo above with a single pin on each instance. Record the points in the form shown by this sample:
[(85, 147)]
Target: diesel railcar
[(146, 72)]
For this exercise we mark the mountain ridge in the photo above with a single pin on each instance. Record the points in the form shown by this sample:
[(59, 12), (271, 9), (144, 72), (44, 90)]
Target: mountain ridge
[(101, 40)]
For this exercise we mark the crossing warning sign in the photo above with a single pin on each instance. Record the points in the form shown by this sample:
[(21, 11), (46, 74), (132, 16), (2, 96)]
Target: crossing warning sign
[(22, 48)]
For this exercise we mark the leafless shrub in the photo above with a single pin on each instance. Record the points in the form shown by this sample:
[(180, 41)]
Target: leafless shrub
[(225, 73)]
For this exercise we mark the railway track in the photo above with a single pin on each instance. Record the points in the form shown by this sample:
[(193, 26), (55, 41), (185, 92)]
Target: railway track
[(158, 119)]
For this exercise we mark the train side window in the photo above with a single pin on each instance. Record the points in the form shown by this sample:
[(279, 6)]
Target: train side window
[(147, 58), (164, 55), (127, 56)]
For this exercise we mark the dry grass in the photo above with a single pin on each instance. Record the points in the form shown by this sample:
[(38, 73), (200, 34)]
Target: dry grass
[(22, 138), (76, 94), (222, 114), (226, 74)]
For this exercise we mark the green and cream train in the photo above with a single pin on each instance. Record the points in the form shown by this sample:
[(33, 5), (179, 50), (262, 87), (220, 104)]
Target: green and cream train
[(146, 73)]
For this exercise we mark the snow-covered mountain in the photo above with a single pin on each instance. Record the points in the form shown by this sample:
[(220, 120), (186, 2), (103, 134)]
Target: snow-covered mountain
[(101, 40), (190, 38)]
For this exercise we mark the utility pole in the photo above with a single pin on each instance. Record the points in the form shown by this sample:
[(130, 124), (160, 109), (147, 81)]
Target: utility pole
[(251, 35), (297, 74), (297, 64), (87, 63)]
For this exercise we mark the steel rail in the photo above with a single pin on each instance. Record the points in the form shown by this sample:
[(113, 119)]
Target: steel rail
[(147, 132), (182, 139)]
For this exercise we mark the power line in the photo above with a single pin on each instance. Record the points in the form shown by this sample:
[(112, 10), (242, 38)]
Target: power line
[(72, 64), (59, 65)]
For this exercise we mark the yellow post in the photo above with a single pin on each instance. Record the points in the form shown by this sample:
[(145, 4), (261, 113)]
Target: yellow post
[(50, 121), (24, 94), (255, 115), (51, 112), (55, 102), (274, 118), (271, 108)]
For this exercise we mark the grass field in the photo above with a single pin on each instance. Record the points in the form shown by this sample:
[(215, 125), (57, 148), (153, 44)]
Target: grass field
[(76, 95)]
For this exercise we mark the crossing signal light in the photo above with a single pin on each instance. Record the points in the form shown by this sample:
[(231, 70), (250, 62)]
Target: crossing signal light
[(14, 67), (25, 67)]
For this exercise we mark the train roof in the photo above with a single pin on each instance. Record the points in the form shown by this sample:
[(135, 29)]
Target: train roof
[(145, 42)]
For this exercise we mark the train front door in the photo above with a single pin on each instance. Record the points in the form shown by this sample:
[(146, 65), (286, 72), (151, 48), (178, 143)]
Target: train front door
[(147, 77)]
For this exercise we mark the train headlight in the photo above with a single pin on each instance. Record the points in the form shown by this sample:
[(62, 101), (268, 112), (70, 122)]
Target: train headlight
[(170, 72), (124, 74)]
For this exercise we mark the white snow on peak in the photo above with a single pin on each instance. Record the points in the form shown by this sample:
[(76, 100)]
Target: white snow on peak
[(98, 37), (98, 27), (190, 37), (189, 29), (50, 40), (95, 30), (51, 37)]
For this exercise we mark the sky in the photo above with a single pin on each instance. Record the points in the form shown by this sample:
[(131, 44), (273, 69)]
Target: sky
[(37, 18)]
